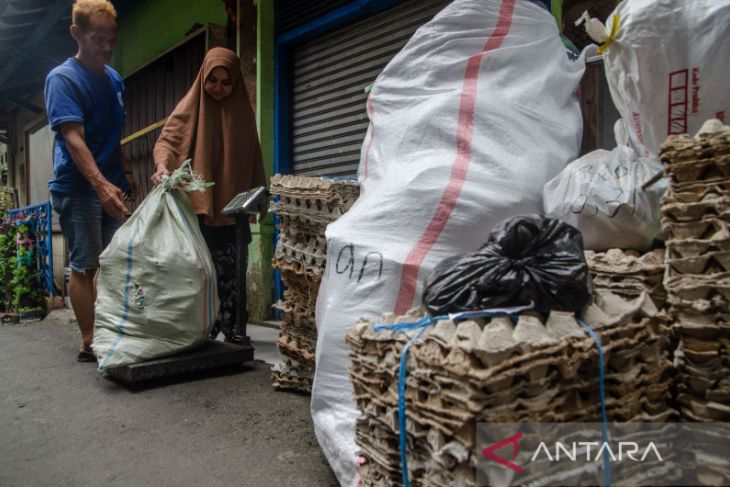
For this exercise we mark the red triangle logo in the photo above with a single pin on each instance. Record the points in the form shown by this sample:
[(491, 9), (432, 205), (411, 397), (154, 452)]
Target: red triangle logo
[(514, 441)]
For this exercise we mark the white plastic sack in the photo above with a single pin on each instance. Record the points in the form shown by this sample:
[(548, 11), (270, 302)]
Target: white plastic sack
[(156, 292), (667, 67), (600, 194), (467, 124)]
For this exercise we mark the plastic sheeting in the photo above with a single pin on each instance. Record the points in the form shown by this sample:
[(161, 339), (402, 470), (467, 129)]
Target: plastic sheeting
[(667, 67), (528, 261), (601, 195), (467, 124)]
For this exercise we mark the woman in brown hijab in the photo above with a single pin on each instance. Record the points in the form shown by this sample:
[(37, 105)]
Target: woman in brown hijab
[(215, 127)]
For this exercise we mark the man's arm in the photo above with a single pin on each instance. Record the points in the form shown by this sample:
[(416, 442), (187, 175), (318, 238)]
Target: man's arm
[(110, 196)]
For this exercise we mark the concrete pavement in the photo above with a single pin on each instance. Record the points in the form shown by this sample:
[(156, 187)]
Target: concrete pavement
[(61, 424)]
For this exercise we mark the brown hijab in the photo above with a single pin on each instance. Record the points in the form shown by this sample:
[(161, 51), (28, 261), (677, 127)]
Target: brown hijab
[(219, 136)]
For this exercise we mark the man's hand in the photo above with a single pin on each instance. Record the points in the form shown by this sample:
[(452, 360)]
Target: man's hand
[(112, 200), (132, 195), (133, 185), (161, 172)]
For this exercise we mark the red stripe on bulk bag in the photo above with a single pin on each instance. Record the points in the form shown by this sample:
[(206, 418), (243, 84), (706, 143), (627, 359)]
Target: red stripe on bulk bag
[(415, 257)]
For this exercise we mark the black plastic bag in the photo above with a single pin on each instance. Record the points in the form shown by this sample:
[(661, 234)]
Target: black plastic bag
[(527, 259)]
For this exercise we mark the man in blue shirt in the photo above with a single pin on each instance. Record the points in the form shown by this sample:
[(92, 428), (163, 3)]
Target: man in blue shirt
[(84, 101)]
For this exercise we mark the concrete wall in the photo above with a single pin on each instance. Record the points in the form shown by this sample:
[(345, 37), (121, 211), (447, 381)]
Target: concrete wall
[(260, 282), (40, 163), (22, 122), (59, 252), (3, 157)]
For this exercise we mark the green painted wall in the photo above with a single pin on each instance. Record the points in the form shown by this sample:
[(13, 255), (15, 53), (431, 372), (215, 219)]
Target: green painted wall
[(151, 26), (260, 282)]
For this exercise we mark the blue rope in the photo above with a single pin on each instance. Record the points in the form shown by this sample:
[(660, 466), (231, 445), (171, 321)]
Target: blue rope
[(423, 323), (602, 391), (402, 405)]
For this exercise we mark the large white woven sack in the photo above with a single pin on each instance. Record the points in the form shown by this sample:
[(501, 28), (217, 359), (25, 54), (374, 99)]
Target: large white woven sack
[(667, 67), (467, 124), (602, 195), (156, 292)]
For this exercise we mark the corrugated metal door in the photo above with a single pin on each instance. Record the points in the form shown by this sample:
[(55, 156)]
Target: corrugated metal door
[(295, 13), (330, 73)]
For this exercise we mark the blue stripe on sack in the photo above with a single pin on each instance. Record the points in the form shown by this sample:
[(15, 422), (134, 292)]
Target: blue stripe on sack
[(208, 272), (125, 314)]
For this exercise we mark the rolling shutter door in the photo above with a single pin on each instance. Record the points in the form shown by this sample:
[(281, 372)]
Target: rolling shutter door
[(295, 13), (329, 118)]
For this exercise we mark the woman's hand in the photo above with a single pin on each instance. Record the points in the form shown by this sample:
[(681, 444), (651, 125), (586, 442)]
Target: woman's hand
[(161, 172)]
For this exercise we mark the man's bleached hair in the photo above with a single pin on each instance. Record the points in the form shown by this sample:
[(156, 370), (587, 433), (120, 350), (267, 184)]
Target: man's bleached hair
[(84, 9)]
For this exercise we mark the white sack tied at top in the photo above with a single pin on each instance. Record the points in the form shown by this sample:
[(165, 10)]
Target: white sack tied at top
[(602, 195), (156, 291), (666, 66)]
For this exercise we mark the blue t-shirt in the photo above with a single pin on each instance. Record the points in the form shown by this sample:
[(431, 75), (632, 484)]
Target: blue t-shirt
[(76, 94)]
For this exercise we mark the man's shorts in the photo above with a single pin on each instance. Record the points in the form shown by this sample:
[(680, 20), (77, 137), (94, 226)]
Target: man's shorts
[(87, 229)]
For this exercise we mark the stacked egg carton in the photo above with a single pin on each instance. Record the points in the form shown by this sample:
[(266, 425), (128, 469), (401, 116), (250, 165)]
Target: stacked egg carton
[(537, 370), (298, 335), (315, 201), (629, 273), (696, 218), (305, 206)]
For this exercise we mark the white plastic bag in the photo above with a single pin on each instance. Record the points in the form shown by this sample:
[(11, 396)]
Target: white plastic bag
[(467, 124), (600, 194), (156, 292), (667, 67)]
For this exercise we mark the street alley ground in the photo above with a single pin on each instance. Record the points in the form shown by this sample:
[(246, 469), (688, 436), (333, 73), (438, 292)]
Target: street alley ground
[(62, 424)]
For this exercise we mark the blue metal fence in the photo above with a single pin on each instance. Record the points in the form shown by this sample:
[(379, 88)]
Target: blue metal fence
[(41, 214)]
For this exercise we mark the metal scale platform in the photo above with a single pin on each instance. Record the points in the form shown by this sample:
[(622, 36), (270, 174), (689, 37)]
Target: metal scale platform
[(213, 354)]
